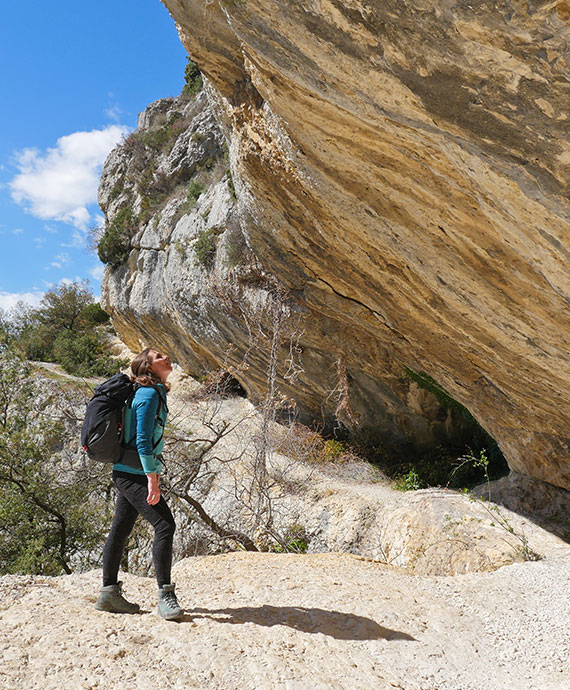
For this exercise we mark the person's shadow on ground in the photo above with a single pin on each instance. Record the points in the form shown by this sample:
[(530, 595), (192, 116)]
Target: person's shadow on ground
[(343, 626)]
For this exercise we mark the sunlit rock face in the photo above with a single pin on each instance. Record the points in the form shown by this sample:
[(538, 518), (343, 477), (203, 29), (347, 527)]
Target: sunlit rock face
[(403, 167), (192, 286)]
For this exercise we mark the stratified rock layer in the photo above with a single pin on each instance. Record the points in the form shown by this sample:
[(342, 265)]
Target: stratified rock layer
[(193, 286), (404, 167)]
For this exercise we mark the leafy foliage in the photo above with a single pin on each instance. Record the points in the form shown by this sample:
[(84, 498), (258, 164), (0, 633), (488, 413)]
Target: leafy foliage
[(205, 248), (195, 189), (409, 482), (114, 246), (231, 187), (63, 329), (192, 78), (49, 522)]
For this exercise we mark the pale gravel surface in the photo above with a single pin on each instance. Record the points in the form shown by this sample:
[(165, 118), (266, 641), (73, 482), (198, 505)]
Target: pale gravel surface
[(289, 622), (292, 622)]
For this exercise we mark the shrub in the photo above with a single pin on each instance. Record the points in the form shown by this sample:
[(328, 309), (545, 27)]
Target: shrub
[(295, 540), (93, 315), (117, 188), (82, 354), (195, 189), (334, 450), (205, 248), (180, 247), (409, 482), (36, 343), (231, 185), (155, 139), (49, 522), (192, 78), (304, 444), (114, 246), (64, 330)]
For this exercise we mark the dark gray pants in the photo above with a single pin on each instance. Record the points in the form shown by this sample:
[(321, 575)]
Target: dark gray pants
[(131, 502)]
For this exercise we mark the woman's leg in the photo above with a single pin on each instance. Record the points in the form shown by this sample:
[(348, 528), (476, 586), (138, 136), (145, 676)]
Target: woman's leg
[(123, 523), (160, 517)]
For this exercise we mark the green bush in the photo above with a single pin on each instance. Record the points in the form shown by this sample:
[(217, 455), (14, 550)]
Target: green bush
[(49, 522), (82, 354), (409, 482), (205, 248), (93, 315), (192, 78), (231, 187), (156, 139), (36, 343), (64, 330), (195, 189), (114, 246), (295, 540)]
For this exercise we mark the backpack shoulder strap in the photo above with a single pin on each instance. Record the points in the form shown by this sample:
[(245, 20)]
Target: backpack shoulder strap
[(157, 419)]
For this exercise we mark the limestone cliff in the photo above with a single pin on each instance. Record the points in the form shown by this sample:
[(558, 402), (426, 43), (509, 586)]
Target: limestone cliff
[(402, 168), (192, 285)]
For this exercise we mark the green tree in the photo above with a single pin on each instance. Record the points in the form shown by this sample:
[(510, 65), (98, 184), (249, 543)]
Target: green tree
[(50, 519), (62, 307), (192, 78), (63, 329)]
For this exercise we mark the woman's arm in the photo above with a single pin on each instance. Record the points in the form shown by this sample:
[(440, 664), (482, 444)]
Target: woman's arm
[(153, 489), (146, 408)]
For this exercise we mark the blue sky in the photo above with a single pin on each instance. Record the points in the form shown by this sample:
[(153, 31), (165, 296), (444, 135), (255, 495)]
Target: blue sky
[(73, 78)]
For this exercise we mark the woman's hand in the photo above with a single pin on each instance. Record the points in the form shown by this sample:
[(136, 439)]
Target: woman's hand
[(153, 489)]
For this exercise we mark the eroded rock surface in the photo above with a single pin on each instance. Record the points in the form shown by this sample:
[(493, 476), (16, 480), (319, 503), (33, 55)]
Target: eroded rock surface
[(286, 622), (194, 286), (404, 167)]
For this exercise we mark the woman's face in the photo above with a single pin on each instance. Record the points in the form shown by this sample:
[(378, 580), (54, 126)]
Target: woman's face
[(160, 366)]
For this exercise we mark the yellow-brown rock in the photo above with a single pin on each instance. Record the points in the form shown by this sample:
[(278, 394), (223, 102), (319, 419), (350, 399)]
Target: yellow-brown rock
[(404, 167)]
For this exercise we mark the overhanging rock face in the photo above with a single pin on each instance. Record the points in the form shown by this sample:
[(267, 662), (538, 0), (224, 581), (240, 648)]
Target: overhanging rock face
[(403, 167)]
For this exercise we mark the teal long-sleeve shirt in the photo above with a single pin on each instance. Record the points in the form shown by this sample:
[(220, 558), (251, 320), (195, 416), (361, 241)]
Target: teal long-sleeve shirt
[(143, 429)]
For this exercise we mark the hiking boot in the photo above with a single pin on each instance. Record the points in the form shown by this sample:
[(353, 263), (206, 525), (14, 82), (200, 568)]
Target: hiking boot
[(168, 606), (111, 599)]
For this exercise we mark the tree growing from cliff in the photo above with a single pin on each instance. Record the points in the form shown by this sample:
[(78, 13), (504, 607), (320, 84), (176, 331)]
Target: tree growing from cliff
[(192, 78)]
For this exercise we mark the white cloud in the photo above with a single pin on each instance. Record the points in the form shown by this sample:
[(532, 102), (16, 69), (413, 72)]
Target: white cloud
[(17, 231), (59, 261), (60, 183), (114, 112), (77, 239), (8, 300), (97, 272), (69, 281)]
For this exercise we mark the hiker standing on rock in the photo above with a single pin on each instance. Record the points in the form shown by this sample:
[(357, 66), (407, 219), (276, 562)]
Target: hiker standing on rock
[(136, 477)]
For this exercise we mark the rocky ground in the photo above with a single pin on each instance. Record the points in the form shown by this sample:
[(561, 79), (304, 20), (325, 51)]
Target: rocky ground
[(293, 622)]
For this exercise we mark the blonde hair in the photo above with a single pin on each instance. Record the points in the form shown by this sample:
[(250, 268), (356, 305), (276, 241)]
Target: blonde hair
[(141, 373)]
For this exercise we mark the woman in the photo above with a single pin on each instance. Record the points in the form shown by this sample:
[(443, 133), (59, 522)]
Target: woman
[(136, 478)]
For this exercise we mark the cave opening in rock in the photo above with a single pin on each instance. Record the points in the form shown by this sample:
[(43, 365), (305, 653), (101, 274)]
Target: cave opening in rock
[(469, 459)]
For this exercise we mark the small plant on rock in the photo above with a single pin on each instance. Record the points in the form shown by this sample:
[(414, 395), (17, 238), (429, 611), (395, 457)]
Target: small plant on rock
[(114, 246), (192, 78), (409, 482), (195, 189), (205, 248)]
